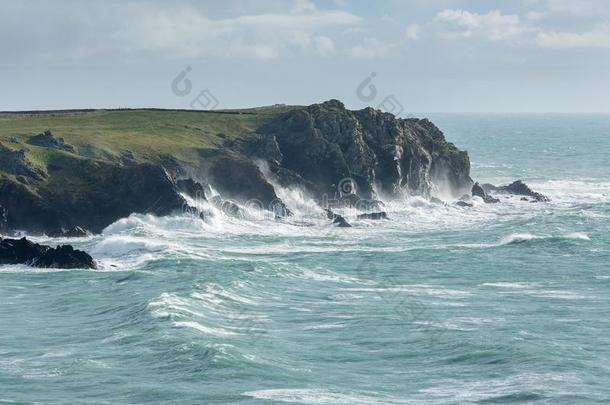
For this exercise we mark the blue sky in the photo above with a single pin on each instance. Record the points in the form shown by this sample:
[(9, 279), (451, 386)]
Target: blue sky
[(443, 55)]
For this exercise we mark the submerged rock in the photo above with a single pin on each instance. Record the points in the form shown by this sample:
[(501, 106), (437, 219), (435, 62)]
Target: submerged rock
[(463, 204), (374, 215), (74, 232), (23, 251)]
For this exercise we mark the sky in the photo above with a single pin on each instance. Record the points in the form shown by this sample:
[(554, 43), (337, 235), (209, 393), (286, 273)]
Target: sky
[(401, 56)]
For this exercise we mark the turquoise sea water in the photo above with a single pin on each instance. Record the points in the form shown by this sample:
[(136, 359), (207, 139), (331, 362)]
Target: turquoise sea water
[(506, 303)]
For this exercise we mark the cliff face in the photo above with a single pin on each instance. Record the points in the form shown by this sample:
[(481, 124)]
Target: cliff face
[(325, 143), (47, 184)]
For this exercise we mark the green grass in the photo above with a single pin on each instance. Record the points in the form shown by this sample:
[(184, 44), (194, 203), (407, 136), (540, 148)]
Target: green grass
[(147, 133)]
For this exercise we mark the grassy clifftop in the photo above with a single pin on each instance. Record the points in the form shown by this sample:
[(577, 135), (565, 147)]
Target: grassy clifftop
[(145, 133)]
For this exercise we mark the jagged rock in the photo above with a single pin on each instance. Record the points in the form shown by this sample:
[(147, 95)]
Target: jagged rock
[(463, 204), (374, 215), (326, 143), (22, 251), (478, 191), (16, 163), (337, 219), (74, 232), (520, 188), (47, 140)]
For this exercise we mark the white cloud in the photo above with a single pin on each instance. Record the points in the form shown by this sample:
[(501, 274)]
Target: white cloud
[(189, 33), (493, 25), (412, 32), (371, 48), (599, 38)]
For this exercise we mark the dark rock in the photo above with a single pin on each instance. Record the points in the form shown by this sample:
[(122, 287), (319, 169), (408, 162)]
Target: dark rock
[(435, 200), (489, 188), (22, 251), (3, 220), (524, 199), (47, 140), (337, 219), (478, 191), (74, 232), (463, 204), (520, 188), (374, 215)]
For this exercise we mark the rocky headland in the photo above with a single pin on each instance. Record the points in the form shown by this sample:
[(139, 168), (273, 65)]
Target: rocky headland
[(74, 173)]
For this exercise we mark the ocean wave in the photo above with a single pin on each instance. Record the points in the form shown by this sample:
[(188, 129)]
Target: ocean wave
[(317, 396), (516, 238)]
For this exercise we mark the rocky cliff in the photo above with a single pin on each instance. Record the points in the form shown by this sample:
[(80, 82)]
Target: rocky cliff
[(50, 183)]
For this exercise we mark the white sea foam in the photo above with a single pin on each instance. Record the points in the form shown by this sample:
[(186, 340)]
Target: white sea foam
[(205, 329), (312, 396)]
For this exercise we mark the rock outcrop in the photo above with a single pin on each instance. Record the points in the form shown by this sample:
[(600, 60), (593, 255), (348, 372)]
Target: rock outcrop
[(342, 158), (89, 194), (23, 251), (478, 191), (47, 140), (516, 188), (16, 163), (326, 145)]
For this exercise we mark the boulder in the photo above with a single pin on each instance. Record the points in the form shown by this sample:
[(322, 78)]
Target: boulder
[(520, 188), (337, 219), (23, 251), (478, 191)]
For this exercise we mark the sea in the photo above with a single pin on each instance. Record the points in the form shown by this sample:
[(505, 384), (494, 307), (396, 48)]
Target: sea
[(503, 303)]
